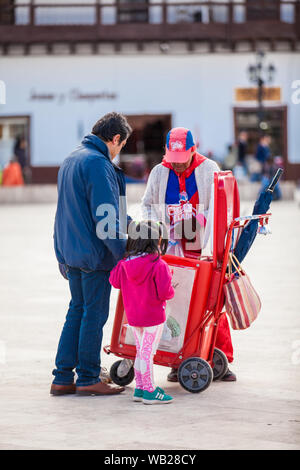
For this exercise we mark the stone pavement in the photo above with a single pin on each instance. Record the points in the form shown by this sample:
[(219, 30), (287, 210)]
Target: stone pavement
[(260, 411)]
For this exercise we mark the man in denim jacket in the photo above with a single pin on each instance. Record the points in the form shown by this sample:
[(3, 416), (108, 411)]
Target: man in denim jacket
[(89, 241)]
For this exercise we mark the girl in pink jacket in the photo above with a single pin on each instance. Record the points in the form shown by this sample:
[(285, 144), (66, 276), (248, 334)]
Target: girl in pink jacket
[(145, 281)]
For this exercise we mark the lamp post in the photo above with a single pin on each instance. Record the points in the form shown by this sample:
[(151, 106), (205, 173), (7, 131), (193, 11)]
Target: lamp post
[(260, 74)]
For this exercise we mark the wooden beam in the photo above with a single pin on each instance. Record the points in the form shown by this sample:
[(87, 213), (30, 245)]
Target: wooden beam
[(145, 32)]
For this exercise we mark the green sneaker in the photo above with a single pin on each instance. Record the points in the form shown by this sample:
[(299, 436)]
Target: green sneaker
[(156, 397), (138, 394)]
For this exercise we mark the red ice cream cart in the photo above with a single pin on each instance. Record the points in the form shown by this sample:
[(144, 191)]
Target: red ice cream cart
[(188, 341)]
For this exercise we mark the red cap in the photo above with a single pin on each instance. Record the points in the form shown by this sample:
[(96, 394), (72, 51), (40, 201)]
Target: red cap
[(179, 144)]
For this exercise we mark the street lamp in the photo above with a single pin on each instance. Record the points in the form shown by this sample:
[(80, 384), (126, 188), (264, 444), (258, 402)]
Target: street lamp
[(259, 73)]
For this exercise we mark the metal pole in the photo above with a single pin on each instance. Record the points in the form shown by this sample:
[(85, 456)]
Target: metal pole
[(260, 84)]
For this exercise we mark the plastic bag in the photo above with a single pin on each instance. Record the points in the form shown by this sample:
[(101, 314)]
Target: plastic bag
[(174, 245)]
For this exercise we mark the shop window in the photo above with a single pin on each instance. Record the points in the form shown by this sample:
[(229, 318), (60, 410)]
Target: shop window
[(262, 10), (7, 14), (133, 11)]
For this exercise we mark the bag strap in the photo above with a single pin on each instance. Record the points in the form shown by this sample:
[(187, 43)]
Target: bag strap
[(235, 262), (229, 268)]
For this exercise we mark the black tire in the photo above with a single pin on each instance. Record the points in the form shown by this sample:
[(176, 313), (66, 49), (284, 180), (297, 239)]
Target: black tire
[(220, 364), (126, 380), (195, 374)]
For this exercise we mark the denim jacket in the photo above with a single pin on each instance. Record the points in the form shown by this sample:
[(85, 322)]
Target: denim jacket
[(86, 180)]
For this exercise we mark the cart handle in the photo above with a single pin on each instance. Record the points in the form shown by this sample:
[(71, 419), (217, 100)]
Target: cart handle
[(252, 217)]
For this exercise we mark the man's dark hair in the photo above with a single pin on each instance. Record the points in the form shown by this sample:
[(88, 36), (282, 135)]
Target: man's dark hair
[(110, 125)]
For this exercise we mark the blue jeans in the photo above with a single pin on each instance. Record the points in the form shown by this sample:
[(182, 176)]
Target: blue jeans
[(80, 342)]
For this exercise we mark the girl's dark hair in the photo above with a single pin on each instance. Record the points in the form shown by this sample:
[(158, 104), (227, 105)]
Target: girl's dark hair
[(144, 236), (110, 125)]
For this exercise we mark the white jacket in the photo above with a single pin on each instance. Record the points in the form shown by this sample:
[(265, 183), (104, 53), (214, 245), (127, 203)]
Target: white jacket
[(153, 201)]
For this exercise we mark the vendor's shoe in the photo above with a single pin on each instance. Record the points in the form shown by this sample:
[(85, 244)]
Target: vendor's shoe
[(229, 376), (99, 388), (104, 376), (157, 397), (138, 394), (62, 389), (173, 376)]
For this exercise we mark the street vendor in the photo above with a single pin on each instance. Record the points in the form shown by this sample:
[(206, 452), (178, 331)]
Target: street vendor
[(180, 185)]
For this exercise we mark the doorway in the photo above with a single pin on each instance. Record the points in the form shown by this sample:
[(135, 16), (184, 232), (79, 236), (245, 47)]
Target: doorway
[(275, 125), (13, 130), (145, 146)]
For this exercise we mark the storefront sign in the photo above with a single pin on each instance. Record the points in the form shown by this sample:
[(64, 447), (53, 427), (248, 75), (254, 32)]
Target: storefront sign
[(251, 94), (72, 95)]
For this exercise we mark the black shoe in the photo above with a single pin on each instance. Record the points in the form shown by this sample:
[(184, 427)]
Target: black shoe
[(229, 376), (173, 376)]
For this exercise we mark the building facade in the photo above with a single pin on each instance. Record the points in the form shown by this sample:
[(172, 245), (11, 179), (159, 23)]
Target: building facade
[(162, 64)]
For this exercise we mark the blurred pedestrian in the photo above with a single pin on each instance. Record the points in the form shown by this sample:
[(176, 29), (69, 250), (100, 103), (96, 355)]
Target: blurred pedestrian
[(12, 174), (21, 154), (271, 167), (20, 149), (231, 158), (263, 153), (242, 149), (89, 186)]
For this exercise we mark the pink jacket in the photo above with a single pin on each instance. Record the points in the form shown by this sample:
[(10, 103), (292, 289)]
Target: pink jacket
[(145, 286)]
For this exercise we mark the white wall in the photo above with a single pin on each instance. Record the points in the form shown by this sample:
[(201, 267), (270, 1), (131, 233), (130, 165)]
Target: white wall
[(197, 90)]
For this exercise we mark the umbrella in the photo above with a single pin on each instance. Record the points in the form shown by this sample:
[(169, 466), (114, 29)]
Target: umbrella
[(261, 206)]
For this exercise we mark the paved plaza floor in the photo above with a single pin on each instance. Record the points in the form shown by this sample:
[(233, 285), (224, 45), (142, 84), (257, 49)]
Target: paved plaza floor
[(260, 411)]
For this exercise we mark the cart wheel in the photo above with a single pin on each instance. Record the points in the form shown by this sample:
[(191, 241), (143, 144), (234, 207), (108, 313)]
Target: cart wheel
[(195, 374), (126, 380), (220, 364)]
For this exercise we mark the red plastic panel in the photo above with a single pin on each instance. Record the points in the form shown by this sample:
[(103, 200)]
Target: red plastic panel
[(226, 208)]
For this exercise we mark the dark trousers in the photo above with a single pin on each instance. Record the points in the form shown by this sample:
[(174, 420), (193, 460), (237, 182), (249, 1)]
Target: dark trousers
[(81, 338)]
